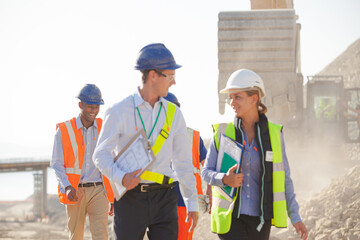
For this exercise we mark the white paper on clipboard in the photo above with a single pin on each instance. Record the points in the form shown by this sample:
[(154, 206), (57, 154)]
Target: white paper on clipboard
[(233, 151), (229, 146), (135, 155)]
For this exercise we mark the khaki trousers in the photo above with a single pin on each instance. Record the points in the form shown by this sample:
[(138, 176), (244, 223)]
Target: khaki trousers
[(92, 201)]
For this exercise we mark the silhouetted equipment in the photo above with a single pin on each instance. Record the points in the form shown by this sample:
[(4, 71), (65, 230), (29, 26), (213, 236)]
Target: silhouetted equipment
[(39, 167), (327, 108), (40, 193)]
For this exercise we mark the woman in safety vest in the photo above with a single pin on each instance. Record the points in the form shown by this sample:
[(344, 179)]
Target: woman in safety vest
[(264, 193)]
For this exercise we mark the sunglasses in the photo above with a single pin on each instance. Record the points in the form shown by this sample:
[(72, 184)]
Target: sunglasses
[(168, 77)]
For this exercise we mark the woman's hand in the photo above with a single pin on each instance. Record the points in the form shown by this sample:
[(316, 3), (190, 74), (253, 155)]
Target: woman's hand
[(301, 230), (233, 179)]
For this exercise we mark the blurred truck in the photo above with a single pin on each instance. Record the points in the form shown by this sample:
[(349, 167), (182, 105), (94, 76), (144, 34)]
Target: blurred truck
[(266, 39)]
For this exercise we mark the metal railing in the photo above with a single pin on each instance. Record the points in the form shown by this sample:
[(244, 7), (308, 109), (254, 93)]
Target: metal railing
[(23, 160)]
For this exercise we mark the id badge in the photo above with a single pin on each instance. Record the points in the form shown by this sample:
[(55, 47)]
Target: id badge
[(269, 156)]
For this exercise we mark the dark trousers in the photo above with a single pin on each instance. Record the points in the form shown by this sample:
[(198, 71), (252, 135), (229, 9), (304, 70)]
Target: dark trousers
[(137, 211), (244, 228)]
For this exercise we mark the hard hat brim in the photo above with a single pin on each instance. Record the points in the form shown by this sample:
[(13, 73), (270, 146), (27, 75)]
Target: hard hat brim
[(227, 90), (232, 89), (224, 91), (176, 66), (92, 102), (173, 67)]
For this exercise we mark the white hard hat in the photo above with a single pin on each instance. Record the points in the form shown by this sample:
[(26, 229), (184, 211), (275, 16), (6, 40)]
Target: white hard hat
[(244, 79)]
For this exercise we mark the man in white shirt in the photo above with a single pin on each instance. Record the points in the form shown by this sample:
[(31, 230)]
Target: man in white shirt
[(150, 201)]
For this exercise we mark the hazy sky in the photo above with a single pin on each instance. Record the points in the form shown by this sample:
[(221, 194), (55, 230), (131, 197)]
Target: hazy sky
[(50, 49)]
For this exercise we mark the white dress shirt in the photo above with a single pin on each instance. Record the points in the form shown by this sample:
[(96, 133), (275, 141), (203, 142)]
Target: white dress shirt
[(173, 160), (89, 173)]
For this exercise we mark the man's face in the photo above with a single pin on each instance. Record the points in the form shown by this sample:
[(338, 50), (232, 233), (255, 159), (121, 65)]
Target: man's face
[(165, 79), (88, 112)]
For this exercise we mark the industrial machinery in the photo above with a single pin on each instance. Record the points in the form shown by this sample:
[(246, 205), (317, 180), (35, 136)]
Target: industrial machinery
[(331, 111), (266, 40)]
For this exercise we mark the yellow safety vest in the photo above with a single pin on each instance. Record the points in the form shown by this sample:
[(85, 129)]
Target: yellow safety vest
[(222, 206), (164, 134)]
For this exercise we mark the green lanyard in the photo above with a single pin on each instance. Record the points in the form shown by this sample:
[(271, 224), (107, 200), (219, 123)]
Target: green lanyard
[(142, 122)]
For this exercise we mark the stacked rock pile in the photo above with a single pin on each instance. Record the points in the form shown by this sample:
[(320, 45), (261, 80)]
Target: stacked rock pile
[(334, 213), (346, 65)]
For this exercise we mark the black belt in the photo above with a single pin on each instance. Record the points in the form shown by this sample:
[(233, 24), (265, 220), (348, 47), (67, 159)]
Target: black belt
[(149, 187), (90, 184)]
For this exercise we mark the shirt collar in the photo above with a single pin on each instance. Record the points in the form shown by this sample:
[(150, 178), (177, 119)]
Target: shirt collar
[(138, 100), (80, 125)]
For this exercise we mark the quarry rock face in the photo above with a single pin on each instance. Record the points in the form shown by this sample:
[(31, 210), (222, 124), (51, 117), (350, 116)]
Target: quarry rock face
[(347, 64)]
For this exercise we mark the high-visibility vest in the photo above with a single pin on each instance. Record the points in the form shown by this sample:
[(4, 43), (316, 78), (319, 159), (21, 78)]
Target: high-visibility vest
[(222, 206), (194, 137), (74, 151), (164, 134)]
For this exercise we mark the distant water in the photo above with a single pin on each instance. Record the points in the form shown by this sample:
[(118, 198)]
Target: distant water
[(20, 185)]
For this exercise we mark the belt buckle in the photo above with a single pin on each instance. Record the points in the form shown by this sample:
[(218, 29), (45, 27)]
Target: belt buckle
[(142, 187)]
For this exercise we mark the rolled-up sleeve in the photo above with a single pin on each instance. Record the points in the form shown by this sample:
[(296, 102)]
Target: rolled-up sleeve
[(57, 162), (292, 205), (208, 172)]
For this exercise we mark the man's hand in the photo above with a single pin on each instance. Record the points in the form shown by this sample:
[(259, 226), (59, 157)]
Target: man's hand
[(204, 203), (130, 180), (209, 193), (71, 193), (301, 229), (111, 211), (233, 179), (193, 217)]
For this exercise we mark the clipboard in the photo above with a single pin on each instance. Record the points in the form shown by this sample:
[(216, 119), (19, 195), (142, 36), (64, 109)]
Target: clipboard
[(135, 155), (230, 153)]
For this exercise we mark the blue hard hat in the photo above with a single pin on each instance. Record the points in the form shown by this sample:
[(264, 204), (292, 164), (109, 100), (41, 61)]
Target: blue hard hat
[(172, 98), (90, 94), (155, 56)]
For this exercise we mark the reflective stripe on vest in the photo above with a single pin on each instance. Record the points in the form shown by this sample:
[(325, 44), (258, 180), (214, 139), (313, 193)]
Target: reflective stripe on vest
[(73, 171), (74, 150), (279, 200), (194, 137), (222, 206), (155, 177), (164, 134), (221, 211), (220, 214), (223, 128), (71, 131)]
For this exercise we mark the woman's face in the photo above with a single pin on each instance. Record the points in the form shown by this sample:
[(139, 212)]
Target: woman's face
[(242, 103)]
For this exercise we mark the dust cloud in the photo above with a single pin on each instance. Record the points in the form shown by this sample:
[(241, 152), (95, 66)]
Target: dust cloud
[(319, 160)]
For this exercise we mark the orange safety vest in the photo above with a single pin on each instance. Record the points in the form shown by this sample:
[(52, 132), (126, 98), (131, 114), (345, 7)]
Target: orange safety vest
[(194, 137), (74, 151)]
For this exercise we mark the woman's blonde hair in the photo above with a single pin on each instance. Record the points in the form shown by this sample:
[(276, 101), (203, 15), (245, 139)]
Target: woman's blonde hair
[(262, 109)]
